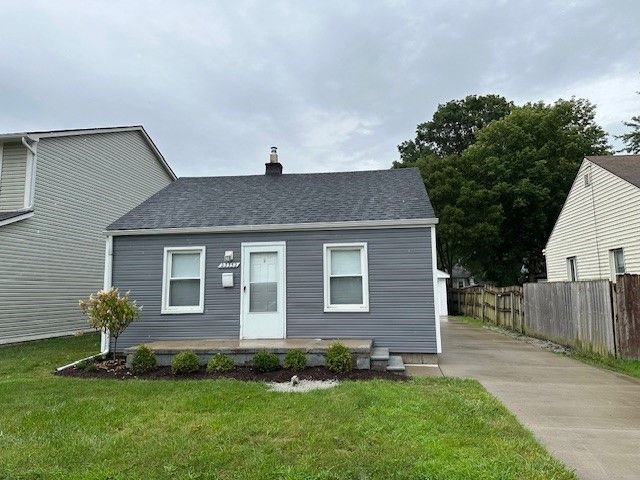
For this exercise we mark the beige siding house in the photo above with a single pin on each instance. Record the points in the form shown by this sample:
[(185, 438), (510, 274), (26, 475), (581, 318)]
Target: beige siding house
[(598, 231), (58, 192)]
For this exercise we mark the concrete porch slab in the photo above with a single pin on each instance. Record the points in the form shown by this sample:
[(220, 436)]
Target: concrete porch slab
[(242, 351)]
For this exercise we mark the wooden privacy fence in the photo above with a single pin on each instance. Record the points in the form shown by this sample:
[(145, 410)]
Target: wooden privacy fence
[(597, 316), (502, 306), (577, 314), (627, 316)]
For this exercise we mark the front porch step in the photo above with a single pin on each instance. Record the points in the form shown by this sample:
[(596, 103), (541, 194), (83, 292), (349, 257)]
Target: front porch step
[(395, 364), (379, 358)]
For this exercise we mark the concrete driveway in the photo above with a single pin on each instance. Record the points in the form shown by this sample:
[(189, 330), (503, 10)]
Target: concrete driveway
[(587, 417)]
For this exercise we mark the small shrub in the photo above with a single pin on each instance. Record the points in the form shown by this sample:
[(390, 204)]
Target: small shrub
[(265, 361), (220, 363), (144, 360), (339, 358), (110, 312), (84, 364), (295, 360), (185, 362)]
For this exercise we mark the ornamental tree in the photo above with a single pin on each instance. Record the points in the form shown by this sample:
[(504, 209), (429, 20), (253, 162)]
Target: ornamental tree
[(110, 312)]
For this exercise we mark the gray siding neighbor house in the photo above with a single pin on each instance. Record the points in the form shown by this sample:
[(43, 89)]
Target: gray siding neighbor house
[(58, 192), (281, 256)]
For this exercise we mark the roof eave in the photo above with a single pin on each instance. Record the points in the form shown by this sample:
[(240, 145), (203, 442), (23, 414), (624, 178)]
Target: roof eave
[(35, 136), (345, 225)]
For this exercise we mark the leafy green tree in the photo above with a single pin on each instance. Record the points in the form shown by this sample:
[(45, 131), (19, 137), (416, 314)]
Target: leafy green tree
[(632, 138), (110, 312), (468, 213), (528, 161), (435, 151), (454, 126)]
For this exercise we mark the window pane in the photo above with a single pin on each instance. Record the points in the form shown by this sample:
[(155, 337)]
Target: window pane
[(618, 257), (263, 297), (345, 290), (264, 267), (345, 262), (184, 293), (185, 265)]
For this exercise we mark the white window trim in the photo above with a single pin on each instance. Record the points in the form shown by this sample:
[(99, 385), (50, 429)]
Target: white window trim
[(364, 269), (166, 270), (612, 263)]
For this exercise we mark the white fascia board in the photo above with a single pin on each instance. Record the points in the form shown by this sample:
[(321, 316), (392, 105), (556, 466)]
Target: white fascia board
[(107, 284), (35, 136), (24, 216), (288, 227)]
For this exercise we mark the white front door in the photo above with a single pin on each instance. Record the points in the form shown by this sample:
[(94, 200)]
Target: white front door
[(262, 298)]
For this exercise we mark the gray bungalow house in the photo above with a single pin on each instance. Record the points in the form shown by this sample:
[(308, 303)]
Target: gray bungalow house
[(58, 192), (347, 255)]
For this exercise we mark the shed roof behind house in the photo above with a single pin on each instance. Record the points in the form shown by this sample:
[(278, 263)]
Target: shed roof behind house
[(626, 167), (195, 202)]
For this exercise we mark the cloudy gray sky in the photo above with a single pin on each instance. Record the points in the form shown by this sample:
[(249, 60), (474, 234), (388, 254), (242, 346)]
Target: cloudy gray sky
[(335, 85)]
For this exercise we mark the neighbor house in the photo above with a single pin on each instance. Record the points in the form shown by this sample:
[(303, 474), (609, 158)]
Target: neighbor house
[(58, 192), (597, 234), (282, 256), (461, 277)]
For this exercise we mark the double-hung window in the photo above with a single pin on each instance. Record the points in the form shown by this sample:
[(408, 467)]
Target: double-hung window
[(183, 280), (346, 277)]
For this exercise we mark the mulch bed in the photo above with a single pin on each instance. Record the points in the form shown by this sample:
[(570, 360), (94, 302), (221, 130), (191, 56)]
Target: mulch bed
[(117, 369)]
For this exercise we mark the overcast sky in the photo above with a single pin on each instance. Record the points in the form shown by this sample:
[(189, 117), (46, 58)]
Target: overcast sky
[(335, 85)]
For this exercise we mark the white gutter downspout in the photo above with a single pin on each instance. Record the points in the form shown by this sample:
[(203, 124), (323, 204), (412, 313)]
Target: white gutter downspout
[(434, 264), (104, 336), (108, 271), (31, 172)]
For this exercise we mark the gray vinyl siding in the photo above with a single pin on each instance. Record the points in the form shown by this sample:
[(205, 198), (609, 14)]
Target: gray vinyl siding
[(401, 314), (51, 260), (12, 176)]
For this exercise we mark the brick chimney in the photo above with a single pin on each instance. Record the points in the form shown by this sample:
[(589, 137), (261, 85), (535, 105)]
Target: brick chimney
[(274, 167)]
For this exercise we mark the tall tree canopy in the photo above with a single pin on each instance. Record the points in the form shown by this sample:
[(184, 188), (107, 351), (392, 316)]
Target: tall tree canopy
[(632, 138), (498, 198), (454, 126), (528, 161), (436, 151)]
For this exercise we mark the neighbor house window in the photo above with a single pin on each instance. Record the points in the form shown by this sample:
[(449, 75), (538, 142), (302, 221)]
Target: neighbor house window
[(183, 280), (617, 262), (572, 269), (346, 277), (587, 177)]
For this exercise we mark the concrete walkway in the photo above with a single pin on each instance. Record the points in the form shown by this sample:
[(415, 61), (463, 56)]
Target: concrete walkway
[(587, 417)]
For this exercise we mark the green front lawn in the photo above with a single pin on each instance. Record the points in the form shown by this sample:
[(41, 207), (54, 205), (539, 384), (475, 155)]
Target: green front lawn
[(69, 428), (620, 365)]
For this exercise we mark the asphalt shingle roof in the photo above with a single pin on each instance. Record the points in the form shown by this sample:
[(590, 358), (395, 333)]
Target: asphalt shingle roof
[(282, 199), (626, 167)]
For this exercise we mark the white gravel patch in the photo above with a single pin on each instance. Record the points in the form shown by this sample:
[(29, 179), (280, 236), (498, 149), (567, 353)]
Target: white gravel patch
[(546, 344), (303, 386)]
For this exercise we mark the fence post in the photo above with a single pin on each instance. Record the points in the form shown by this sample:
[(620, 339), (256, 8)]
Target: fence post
[(512, 312), (483, 292)]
